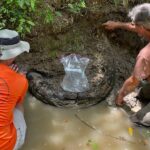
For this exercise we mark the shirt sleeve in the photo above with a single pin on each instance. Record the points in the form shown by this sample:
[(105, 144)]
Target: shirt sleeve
[(24, 90)]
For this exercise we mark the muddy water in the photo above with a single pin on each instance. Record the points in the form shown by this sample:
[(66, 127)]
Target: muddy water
[(96, 128)]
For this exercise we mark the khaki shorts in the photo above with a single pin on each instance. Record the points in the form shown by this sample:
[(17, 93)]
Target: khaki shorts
[(20, 125)]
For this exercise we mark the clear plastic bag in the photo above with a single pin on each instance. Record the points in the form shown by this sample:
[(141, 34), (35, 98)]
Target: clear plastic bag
[(75, 79)]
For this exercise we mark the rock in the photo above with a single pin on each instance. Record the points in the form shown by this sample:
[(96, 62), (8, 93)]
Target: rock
[(132, 102), (142, 117), (139, 102)]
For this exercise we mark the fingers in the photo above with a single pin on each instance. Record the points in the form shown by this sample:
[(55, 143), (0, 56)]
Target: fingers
[(119, 100), (105, 24), (14, 67), (109, 25), (119, 103), (108, 22), (23, 72)]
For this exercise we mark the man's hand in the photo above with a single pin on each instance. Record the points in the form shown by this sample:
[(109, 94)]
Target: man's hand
[(110, 25), (23, 71), (119, 100), (14, 67)]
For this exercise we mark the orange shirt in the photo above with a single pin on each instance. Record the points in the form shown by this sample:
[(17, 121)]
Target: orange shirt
[(13, 87)]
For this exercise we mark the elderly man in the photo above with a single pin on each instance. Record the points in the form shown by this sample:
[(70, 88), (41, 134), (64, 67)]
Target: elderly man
[(140, 16), (13, 87)]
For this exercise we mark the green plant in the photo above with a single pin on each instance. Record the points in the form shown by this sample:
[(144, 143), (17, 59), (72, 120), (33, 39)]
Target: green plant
[(53, 54), (17, 14), (146, 133), (48, 15), (77, 6), (124, 2), (93, 145)]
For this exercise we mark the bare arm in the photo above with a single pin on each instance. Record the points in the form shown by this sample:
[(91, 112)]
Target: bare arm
[(112, 25), (129, 85)]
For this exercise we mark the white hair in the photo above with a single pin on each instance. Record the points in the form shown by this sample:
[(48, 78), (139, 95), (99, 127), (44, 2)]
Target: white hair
[(141, 14)]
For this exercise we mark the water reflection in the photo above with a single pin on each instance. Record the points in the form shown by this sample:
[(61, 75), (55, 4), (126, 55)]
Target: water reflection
[(98, 127)]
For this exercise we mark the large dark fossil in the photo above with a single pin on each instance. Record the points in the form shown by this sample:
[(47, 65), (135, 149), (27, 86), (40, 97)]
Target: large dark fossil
[(100, 73)]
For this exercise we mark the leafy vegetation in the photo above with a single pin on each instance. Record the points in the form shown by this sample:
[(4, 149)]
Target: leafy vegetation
[(77, 6), (49, 15), (93, 145), (17, 14), (74, 7)]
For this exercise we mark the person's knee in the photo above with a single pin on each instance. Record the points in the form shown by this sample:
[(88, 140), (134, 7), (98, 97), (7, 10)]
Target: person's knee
[(144, 93)]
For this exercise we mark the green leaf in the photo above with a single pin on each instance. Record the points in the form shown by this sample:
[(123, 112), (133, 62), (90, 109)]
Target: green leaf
[(70, 6), (33, 4), (21, 3), (95, 146), (58, 13), (12, 19), (22, 20), (28, 29), (82, 4), (49, 17), (31, 23)]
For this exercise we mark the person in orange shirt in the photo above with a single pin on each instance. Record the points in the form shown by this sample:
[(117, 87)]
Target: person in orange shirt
[(13, 87), (140, 16)]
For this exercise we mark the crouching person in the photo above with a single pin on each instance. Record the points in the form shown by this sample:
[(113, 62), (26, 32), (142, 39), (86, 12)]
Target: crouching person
[(13, 87), (140, 16)]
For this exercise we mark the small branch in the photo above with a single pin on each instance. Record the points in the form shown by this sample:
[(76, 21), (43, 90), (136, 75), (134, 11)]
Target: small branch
[(108, 135)]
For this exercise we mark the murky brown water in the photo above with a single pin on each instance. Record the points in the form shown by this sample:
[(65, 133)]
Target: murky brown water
[(51, 128)]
